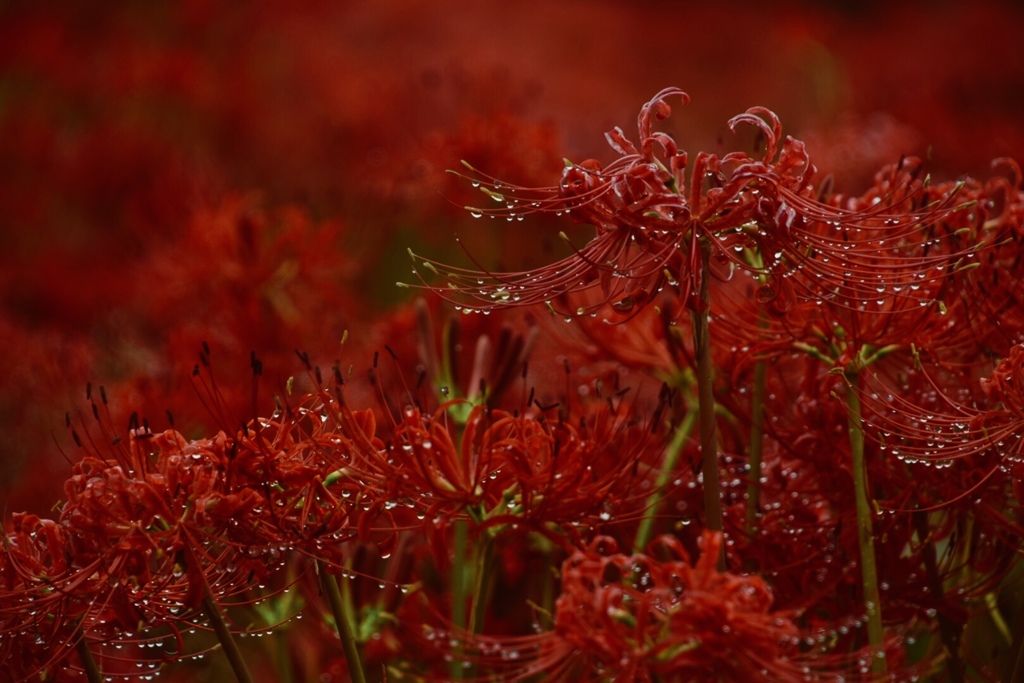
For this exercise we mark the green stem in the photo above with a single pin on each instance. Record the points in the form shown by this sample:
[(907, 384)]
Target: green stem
[(1014, 660), (865, 534), (551, 582), (996, 617), (1016, 673), (343, 623), (668, 470), (227, 641), (458, 584), (458, 578), (92, 672), (482, 584), (706, 402), (756, 444), (283, 659)]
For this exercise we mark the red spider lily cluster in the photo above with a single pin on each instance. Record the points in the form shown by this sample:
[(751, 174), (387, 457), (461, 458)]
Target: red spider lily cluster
[(831, 311), (162, 539), (683, 415)]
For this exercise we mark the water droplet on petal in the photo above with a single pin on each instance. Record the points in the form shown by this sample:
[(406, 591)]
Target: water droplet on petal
[(625, 304), (765, 294)]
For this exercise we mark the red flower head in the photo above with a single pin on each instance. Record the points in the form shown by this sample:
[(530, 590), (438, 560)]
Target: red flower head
[(659, 616), (763, 216), (645, 617), (158, 529), (945, 427), (41, 597), (504, 470), (161, 529)]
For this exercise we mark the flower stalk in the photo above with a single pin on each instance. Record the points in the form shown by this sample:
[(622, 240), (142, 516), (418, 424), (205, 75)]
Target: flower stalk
[(949, 632), (865, 533), (683, 431), (706, 402), (756, 446), (482, 583), (460, 595), (226, 639), (343, 623), (92, 672)]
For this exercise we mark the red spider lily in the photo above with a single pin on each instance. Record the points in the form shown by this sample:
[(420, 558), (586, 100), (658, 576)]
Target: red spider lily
[(500, 469), (806, 542), (938, 429), (1006, 385), (539, 466), (162, 525), (658, 616), (919, 308), (38, 616), (650, 221), (572, 479), (646, 618), (996, 291), (856, 251), (805, 538), (163, 533), (237, 274)]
